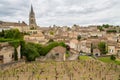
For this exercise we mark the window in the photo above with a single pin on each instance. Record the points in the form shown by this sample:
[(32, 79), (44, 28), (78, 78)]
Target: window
[(111, 50), (57, 54)]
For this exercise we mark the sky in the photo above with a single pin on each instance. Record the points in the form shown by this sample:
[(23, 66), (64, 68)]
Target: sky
[(62, 12)]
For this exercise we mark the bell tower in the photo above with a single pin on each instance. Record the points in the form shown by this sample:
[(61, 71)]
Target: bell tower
[(32, 20)]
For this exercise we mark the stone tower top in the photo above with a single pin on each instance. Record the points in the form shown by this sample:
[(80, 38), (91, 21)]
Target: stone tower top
[(32, 12), (32, 20)]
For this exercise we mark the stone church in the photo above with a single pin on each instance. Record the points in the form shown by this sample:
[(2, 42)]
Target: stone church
[(32, 20), (21, 26), (36, 35)]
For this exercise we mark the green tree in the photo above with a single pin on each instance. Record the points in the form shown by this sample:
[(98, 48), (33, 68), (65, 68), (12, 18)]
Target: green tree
[(112, 57), (15, 55), (62, 44), (2, 33), (30, 51), (92, 47), (47, 48), (22, 43), (106, 25), (102, 47), (51, 33), (78, 37), (15, 43), (100, 28), (111, 31), (13, 34)]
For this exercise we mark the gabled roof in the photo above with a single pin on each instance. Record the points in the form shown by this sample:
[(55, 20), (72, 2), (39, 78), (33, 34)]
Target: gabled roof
[(2, 23)]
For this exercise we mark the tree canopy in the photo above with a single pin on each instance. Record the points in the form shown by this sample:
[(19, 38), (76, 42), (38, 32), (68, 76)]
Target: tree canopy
[(78, 37), (102, 47), (32, 50), (11, 34)]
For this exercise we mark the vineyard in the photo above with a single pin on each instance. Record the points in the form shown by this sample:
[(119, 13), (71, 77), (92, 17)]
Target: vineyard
[(69, 70)]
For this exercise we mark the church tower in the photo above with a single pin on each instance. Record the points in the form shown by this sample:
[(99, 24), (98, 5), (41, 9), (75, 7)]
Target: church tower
[(32, 20)]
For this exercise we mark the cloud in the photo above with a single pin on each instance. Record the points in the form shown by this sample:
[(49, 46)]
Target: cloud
[(62, 12)]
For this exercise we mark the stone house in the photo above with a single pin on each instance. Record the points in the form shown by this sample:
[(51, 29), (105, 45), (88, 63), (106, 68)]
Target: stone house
[(112, 37), (74, 44), (84, 46), (57, 54), (7, 53), (35, 37), (111, 47), (4, 28), (72, 34), (97, 33), (96, 52), (21, 26)]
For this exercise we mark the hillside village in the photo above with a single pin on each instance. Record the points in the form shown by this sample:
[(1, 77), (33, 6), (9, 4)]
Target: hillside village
[(63, 44)]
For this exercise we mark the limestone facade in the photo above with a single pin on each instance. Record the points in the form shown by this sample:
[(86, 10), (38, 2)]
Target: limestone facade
[(7, 53)]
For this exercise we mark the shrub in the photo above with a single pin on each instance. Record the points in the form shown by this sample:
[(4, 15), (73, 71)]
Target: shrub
[(112, 57), (78, 37), (111, 31), (30, 51), (102, 47), (13, 34)]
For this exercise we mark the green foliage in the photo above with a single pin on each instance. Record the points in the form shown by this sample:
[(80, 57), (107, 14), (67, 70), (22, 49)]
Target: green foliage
[(78, 37), (5, 40), (68, 28), (22, 43), (30, 51), (111, 31), (67, 55), (102, 47), (84, 58), (13, 37), (112, 57), (106, 25), (62, 44), (105, 59), (15, 43), (32, 28), (15, 55), (109, 60), (51, 40), (46, 49), (100, 28), (13, 34), (92, 48), (67, 47), (2, 33), (51, 33)]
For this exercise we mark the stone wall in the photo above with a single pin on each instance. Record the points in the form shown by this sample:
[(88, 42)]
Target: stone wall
[(7, 52), (11, 65)]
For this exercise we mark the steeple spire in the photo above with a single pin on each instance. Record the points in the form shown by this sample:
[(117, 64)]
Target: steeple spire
[(32, 9), (32, 20)]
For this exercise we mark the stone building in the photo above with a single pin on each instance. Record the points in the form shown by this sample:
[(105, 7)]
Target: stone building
[(21, 26), (7, 53), (57, 54), (32, 20), (36, 37)]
